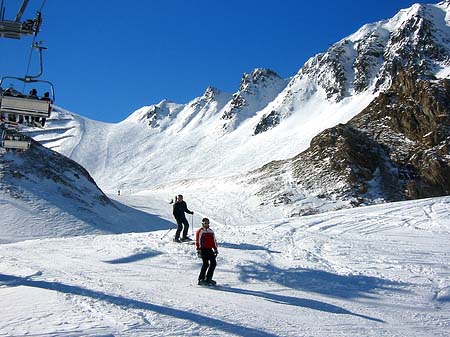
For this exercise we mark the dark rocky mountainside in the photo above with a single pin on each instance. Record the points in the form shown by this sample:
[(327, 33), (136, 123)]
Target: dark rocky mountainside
[(411, 122), (395, 149)]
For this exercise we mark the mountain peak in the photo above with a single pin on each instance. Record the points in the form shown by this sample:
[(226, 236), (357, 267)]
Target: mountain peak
[(417, 37), (153, 114), (256, 90), (258, 76), (211, 93), (419, 40)]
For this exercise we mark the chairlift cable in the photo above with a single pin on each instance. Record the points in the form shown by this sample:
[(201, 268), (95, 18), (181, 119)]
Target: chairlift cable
[(42, 6)]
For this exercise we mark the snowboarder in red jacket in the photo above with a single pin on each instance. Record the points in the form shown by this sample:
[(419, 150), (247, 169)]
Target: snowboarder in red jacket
[(206, 244)]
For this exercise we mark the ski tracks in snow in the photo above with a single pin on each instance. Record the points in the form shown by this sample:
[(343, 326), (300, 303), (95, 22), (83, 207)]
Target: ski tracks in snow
[(368, 272)]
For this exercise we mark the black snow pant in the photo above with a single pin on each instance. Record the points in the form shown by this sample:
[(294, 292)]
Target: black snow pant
[(180, 222), (209, 264)]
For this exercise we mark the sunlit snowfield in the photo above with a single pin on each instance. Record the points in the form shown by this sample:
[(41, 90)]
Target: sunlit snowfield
[(374, 271)]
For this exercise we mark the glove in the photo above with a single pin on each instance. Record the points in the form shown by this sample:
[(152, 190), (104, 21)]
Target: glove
[(216, 252), (199, 253)]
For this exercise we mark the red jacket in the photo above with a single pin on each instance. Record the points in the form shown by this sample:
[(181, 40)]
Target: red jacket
[(205, 239)]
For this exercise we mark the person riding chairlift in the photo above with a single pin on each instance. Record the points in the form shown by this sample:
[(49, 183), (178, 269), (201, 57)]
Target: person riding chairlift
[(12, 92), (33, 94), (46, 97)]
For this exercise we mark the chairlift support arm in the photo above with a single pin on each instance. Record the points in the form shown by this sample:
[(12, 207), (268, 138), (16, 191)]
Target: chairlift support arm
[(21, 10), (41, 69)]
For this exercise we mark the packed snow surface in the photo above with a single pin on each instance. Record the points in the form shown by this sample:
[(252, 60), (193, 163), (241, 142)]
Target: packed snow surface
[(374, 271)]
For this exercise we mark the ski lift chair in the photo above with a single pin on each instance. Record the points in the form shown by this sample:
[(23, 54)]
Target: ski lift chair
[(12, 140), (24, 106), (15, 29)]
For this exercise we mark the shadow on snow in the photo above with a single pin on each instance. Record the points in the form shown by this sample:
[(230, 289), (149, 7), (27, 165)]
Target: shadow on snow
[(296, 301), (244, 246), (318, 281), (199, 319), (135, 257)]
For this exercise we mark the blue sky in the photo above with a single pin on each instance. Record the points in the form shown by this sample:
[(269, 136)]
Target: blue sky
[(109, 58)]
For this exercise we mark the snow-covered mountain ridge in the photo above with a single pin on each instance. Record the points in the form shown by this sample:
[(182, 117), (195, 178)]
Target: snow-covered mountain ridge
[(268, 118)]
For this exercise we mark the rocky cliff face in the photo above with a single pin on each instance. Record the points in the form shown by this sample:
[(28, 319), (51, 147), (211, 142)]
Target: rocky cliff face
[(412, 122), (421, 42), (395, 149)]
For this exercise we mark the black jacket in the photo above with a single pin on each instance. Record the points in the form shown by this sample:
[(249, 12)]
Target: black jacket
[(179, 208)]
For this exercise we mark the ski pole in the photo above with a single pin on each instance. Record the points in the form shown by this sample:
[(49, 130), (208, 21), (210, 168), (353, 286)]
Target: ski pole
[(192, 230), (162, 237)]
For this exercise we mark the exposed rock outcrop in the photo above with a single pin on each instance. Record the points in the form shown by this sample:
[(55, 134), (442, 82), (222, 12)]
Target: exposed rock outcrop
[(395, 149), (412, 121)]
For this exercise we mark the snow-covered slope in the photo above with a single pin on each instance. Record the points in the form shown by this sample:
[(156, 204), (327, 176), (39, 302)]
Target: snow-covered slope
[(373, 271), (44, 194)]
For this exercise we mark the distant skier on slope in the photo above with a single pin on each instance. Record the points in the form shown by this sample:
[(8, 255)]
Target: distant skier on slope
[(179, 208), (206, 244)]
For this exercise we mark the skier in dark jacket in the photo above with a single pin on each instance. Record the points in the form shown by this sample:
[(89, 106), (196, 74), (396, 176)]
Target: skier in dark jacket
[(179, 208), (206, 244)]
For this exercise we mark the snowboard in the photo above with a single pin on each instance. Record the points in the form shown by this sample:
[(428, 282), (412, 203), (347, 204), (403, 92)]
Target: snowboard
[(207, 284), (188, 242)]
